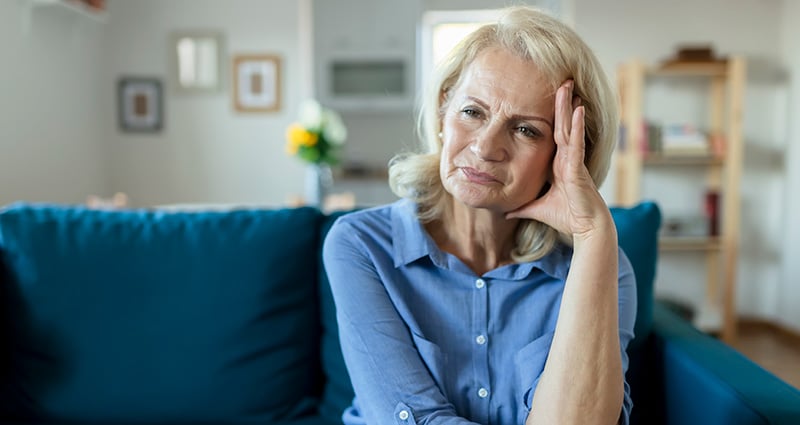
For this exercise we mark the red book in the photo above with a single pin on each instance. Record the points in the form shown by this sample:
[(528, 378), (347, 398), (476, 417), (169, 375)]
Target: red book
[(712, 212)]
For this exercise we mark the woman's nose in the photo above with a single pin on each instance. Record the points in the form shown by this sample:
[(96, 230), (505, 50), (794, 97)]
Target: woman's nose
[(489, 145)]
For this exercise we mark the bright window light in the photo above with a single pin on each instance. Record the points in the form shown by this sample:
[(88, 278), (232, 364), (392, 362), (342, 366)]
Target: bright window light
[(442, 30)]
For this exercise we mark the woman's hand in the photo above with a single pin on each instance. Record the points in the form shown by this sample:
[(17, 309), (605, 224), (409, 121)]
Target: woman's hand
[(573, 205), (584, 362)]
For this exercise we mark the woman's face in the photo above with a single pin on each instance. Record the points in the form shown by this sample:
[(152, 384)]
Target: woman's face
[(497, 133)]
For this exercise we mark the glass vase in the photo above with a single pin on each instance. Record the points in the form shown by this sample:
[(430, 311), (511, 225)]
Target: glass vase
[(319, 180)]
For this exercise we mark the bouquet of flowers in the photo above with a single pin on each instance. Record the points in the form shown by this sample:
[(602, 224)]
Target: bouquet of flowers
[(318, 136)]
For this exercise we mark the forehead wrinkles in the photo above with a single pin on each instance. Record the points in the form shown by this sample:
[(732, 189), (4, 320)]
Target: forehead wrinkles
[(507, 93)]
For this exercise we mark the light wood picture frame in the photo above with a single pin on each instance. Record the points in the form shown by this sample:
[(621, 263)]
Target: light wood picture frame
[(257, 83)]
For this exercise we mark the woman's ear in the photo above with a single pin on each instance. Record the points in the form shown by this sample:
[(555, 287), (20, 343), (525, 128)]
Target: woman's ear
[(444, 98)]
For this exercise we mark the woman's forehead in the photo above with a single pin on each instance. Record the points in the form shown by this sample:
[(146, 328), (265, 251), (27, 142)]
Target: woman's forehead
[(497, 73)]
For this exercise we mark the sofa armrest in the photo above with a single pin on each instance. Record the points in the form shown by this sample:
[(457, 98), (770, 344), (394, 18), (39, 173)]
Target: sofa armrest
[(707, 382)]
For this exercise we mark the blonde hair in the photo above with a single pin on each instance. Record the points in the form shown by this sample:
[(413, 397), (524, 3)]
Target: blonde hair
[(560, 54)]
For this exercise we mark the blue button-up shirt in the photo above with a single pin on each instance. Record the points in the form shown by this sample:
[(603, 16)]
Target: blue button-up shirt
[(428, 341)]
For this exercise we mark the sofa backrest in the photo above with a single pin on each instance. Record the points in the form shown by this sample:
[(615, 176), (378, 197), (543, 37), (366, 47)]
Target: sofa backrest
[(141, 316), (337, 393), (637, 232), (193, 317)]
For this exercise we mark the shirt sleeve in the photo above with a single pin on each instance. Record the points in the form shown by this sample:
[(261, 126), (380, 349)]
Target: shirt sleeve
[(627, 320), (389, 377), (536, 352)]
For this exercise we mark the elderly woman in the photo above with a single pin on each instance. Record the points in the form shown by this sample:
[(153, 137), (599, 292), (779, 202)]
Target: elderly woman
[(495, 291)]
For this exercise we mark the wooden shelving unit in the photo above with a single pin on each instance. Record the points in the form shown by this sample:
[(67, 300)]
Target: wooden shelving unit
[(726, 83)]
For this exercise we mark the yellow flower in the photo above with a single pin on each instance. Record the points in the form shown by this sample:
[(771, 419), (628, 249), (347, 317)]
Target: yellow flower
[(299, 136), (291, 148), (317, 136)]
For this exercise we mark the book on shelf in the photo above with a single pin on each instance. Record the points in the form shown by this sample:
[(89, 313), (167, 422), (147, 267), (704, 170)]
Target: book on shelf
[(678, 140), (685, 226), (651, 138), (683, 140)]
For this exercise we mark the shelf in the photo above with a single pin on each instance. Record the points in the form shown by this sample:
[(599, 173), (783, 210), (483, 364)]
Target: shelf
[(682, 160), (688, 69), (689, 243), (351, 172)]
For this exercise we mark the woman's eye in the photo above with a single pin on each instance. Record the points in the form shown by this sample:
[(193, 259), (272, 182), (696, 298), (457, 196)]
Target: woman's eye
[(471, 112), (529, 131)]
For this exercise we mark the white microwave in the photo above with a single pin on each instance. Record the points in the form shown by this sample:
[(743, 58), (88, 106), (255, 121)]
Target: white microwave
[(368, 82)]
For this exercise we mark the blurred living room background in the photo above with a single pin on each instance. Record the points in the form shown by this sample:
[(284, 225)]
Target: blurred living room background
[(65, 137)]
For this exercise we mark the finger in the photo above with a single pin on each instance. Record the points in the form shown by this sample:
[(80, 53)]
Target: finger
[(577, 136), (563, 113)]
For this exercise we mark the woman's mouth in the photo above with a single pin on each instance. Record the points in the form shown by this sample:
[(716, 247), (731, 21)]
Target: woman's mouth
[(479, 177)]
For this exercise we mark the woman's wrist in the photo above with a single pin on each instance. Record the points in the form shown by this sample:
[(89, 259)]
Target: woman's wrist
[(603, 231)]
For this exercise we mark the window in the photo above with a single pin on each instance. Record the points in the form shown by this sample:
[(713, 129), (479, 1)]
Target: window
[(442, 30)]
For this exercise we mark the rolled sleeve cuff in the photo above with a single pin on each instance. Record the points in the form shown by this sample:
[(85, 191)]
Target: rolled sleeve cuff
[(403, 415)]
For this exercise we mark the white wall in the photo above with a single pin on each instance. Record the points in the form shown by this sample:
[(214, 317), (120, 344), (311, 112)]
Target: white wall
[(207, 152), (788, 312), (59, 139), (368, 30), (51, 147), (651, 30)]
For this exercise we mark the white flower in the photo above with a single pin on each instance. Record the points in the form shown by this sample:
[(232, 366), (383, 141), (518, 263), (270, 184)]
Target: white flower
[(311, 114), (333, 128)]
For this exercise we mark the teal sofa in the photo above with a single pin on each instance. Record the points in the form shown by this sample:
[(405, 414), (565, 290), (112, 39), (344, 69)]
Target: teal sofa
[(145, 317)]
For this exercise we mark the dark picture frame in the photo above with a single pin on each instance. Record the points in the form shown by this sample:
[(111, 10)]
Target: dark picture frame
[(140, 104)]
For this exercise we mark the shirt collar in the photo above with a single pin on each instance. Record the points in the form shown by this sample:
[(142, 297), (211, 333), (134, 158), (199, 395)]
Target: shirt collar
[(411, 242)]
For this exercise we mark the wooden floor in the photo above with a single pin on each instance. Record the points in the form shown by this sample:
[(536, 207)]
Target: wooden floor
[(772, 348)]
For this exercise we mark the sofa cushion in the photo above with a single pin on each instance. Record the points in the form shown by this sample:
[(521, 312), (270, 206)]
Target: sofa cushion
[(142, 316), (637, 231), (338, 390)]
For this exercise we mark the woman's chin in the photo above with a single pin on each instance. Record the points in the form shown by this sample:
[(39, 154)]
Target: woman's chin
[(478, 197), (483, 202)]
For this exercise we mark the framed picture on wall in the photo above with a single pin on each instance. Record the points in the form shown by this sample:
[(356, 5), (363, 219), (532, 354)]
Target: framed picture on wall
[(257, 83), (140, 104)]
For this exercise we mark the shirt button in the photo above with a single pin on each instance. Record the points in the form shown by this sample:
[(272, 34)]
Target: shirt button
[(480, 283), (483, 393), (480, 340), (403, 415)]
